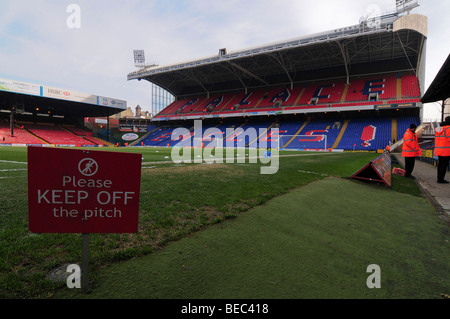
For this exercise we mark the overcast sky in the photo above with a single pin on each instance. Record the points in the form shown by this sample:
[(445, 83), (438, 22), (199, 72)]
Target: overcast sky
[(37, 45)]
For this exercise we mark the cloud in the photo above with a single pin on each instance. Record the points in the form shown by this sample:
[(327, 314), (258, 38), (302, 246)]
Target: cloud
[(37, 46)]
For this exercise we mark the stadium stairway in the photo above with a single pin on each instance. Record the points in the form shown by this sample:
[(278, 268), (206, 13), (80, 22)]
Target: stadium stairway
[(311, 136), (330, 128), (226, 105), (259, 137), (260, 101), (90, 140), (232, 135), (59, 135), (299, 96), (295, 135), (100, 141), (399, 87), (340, 135), (394, 129), (344, 94), (31, 133)]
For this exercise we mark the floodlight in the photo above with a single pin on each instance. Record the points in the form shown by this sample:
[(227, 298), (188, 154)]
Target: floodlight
[(406, 5), (139, 58)]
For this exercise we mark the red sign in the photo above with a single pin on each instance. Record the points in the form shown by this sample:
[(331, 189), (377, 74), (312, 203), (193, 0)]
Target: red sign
[(378, 170), (83, 191)]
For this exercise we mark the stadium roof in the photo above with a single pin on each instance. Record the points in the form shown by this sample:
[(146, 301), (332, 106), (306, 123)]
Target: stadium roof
[(390, 44), (27, 98), (439, 90)]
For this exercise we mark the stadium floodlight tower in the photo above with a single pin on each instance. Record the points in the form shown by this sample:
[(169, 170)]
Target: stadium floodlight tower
[(406, 5), (139, 60)]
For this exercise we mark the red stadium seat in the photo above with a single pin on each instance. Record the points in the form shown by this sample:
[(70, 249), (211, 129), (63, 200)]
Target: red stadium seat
[(30, 133), (410, 86), (304, 96)]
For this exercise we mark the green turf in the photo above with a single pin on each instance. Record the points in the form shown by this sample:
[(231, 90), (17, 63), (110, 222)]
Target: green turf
[(296, 246), (176, 202)]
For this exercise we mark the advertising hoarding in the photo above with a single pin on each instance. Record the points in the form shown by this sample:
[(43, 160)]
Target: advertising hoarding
[(19, 87), (379, 170), (69, 95), (59, 93)]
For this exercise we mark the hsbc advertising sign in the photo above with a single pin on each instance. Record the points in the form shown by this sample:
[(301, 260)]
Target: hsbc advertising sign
[(69, 95), (58, 92), (83, 191)]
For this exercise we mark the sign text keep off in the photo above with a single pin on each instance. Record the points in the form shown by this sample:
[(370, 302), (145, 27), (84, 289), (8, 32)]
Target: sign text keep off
[(83, 191)]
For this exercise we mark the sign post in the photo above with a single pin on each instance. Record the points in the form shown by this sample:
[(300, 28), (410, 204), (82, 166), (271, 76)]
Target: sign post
[(85, 262), (83, 191)]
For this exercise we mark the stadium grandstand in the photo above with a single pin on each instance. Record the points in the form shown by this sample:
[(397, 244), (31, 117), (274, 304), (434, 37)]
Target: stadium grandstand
[(33, 114), (359, 87)]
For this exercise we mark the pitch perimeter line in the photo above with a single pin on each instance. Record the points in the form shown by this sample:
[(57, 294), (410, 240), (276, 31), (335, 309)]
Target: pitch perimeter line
[(12, 162), (237, 158)]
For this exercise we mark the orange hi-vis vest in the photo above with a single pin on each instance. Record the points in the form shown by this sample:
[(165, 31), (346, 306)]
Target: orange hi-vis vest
[(410, 145), (442, 141)]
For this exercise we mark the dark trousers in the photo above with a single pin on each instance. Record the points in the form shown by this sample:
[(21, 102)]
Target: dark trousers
[(409, 165), (442, 167)]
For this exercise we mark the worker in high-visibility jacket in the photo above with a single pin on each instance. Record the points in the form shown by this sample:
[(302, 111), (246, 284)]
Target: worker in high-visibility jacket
[(442, 149), (411, 149)]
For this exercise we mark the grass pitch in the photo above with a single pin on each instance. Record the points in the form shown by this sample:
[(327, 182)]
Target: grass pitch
[(296, 246), (226, 231)]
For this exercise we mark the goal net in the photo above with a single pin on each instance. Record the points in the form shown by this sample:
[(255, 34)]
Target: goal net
[(303, 142)]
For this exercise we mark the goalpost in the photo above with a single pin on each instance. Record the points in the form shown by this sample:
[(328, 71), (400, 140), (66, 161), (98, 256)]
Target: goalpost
[(303, 142)]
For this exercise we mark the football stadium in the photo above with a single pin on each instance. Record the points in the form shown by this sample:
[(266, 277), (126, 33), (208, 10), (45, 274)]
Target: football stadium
[(268, 177)]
